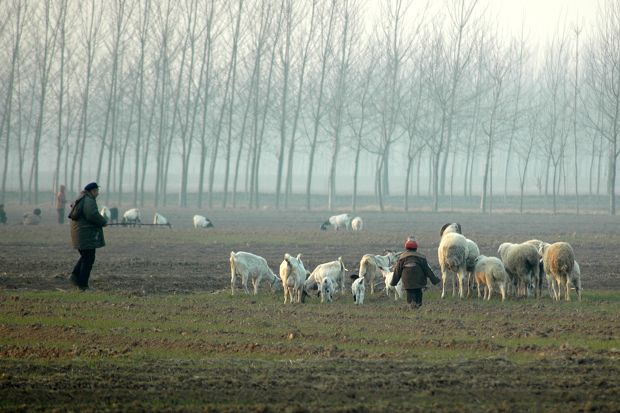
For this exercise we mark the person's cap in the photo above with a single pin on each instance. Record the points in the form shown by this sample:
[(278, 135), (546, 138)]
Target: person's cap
[(411, 243), (91, 186)]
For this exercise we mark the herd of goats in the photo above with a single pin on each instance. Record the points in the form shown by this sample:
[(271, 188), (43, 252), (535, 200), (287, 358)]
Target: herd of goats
[(519, 270), (133, 217)]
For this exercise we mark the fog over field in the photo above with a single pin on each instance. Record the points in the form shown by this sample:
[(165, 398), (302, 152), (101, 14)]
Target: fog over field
[(254, 104)]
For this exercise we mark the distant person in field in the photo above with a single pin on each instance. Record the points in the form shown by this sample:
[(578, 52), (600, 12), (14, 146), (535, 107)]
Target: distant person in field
[(32, 218), (2, 214), (60, 202), (414, 270), (86, 233)]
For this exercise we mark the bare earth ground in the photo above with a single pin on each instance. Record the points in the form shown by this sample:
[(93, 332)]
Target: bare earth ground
[(446, 357)]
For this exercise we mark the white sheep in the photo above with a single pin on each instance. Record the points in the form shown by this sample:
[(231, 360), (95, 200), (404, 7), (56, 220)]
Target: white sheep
[(247, 265), (358, 288), (398, 290), (357, 224), (327, 290), (333, 269), (202, 222), (522, 265), (575, 279), (337, 221), (473, 252), (293, 276), (159, 219), (132, 217), (541, 270), (559, 261), (370, 264), (452, 254), (489, 271)]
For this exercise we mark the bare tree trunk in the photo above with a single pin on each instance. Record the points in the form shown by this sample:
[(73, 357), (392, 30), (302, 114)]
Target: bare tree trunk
[(207, 58), (6, 118), (61, 92), (144, 24), (45, 68), (94, 25), (232, 104), (300, 88), (187, 132), (318, 114), (286, 66)]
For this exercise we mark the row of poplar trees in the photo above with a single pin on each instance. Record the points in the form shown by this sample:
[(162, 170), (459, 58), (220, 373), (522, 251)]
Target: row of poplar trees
[(221, 93)]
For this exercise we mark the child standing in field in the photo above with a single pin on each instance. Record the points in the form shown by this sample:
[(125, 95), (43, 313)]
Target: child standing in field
[(414, 270)]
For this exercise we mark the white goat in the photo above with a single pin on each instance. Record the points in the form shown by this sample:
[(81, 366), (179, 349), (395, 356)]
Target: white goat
[(105, 212), (489, 271), (357, 224), (452, 254), (337, 221), (327, 290), (333, 269), (202, 222), (370, 264), (132, 217), (358, 288), (398, 290), (247, 265), (159, 219), (293, 275)]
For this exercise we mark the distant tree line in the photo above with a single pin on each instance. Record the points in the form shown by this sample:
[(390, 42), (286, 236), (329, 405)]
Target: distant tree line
[(131, 88)]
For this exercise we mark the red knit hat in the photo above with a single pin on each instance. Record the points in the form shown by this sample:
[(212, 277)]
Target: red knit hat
[(411, 243)]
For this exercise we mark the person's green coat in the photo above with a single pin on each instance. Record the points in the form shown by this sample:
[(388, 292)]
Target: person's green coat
[(86, 223)]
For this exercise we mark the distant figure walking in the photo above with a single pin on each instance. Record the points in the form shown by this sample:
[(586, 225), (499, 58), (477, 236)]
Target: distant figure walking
[(60, 202), (2, 214), (86, 233)]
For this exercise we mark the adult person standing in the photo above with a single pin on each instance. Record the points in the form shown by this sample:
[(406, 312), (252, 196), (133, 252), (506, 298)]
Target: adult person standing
[(60, 202), (86, 233), (413, 268), (2, 214)]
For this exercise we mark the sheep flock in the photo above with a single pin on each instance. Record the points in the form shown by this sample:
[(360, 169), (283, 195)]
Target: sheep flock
[(517, 271)]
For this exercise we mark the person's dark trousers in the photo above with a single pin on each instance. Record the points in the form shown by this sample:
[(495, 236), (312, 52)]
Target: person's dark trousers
[(81, 271), (414, 297), (61, 216)]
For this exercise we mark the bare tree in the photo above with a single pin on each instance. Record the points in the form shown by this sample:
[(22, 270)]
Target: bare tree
[(459, 56), (358, 116), (555, 122), (604, 82), (498, 65), (341, 90), (327, 30), (520, 62), (5, 122), (396, 40), (61, 91), (46, 46), (191, 101), (298, 106), (144, 11), (235, 45), (577, 30), (207, 56), (91, 24), (231, 73)]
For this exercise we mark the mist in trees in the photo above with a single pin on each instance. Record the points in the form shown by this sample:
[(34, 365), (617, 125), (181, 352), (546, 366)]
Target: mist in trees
[(252, 103)]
